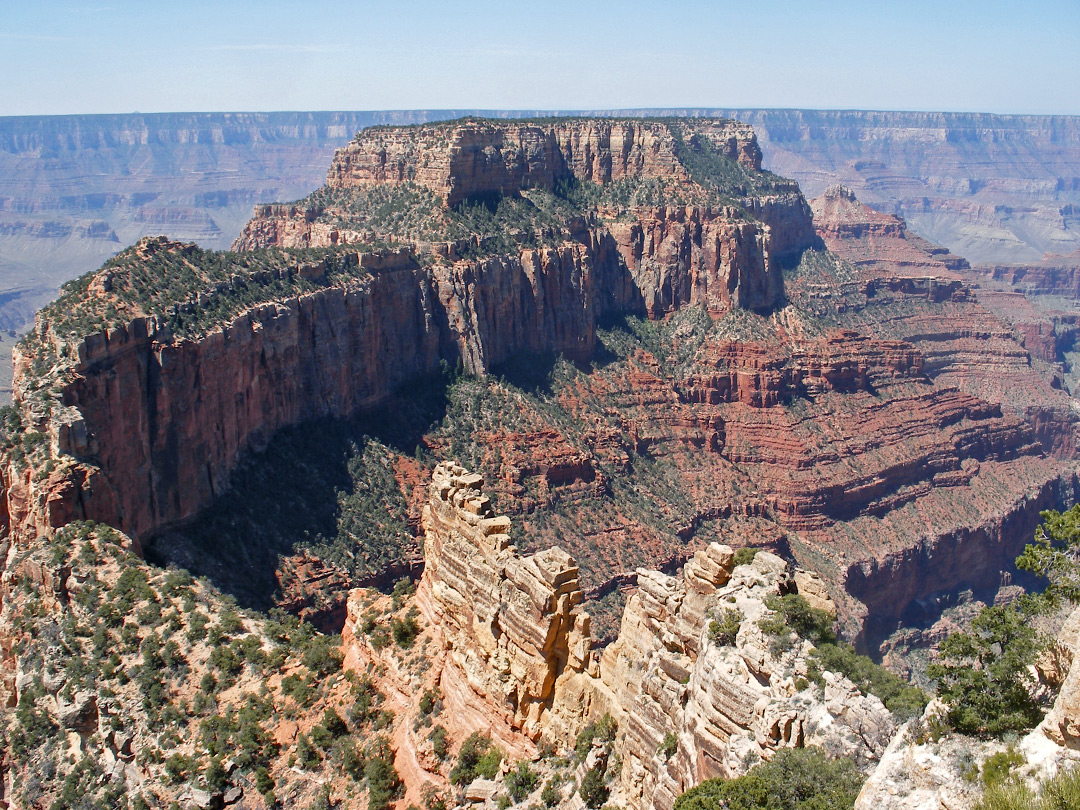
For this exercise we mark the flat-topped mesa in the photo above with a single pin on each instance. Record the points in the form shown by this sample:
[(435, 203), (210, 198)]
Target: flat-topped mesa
[(510, 623), (475, 157)]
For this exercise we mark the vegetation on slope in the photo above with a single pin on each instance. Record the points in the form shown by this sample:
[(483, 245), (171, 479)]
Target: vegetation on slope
[(156, 669), (348, 492), (1059, 792), (795, 779), (727, 180), (190, 289), (793, 615)]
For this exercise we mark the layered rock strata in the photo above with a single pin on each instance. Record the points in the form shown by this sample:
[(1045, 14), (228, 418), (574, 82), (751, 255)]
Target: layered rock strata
[(851, 450), (511, 623), (150, 424), (474, 157), (515, 633), (964, 341), (1057, 275), (729, 706)]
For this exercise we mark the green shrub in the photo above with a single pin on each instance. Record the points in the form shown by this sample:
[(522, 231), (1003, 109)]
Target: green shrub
[(603, 730), (999, 768), (216, 776), (1053, 554), (403, 589), (477, 757), (179, 768), (322, 655), (428, 701), (264, 783), (405, 630), (900, 697), (350, 759), (724, 629), (984, 674), (813, 624), (593, 790), (333, 723), (745, 556), (432, 798), (383, 781), (440, 743), (1060, 792), (521, 781), (795, 779), (669, 746), (307, 755)]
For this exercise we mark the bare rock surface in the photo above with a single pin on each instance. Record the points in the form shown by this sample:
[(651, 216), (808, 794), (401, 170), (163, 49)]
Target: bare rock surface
[(513, 630)]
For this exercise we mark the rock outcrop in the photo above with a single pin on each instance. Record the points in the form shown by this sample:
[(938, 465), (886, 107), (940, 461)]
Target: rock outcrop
[(728, 706), (994, 188), (511, 623), (516, 635), (475, 157), (1057, 275), (826, 422)]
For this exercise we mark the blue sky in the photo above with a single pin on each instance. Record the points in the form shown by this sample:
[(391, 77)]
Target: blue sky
[(119, 56)]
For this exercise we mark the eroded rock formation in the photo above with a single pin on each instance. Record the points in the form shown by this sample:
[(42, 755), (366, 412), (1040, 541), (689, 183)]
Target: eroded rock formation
[(515, 634), (511, 623), (965, 342), (828, 423), (157, 420)]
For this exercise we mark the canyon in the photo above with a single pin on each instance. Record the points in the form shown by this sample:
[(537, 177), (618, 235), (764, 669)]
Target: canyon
[(649, 351), (75, 189), (782, 423)]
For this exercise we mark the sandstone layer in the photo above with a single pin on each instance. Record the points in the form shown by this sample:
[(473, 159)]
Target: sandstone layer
[(967, 345), (515, 634), (813, 409), (511, 623)]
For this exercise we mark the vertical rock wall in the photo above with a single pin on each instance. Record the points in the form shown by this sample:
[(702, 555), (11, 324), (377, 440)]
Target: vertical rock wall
[(511, 623), (516, 636)]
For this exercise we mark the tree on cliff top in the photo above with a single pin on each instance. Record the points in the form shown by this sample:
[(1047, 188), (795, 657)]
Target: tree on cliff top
[(985, 675), (1055, 555)]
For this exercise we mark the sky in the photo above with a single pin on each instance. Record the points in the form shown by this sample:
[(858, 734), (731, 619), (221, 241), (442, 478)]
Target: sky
[(188, 55)]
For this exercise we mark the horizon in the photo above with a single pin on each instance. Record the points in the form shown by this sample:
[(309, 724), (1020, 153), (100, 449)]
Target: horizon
[(690, 111), (122, 57)]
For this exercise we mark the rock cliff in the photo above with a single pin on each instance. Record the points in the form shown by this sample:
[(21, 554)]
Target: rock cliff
[(515, 633), (968, 345), (158, 406), (476, 157), (511, 623), (772, 418), (993, 188)]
